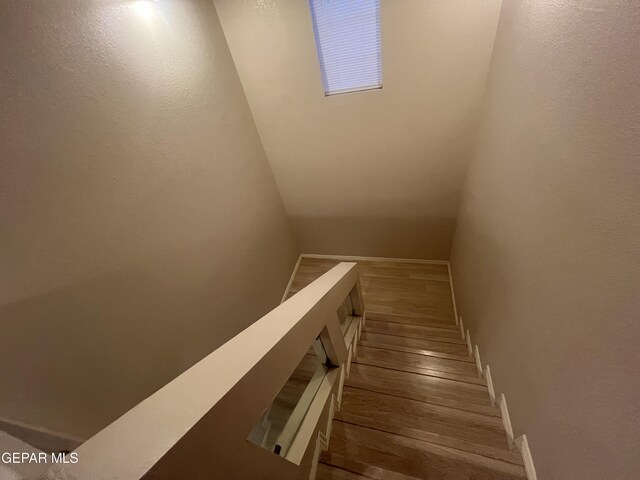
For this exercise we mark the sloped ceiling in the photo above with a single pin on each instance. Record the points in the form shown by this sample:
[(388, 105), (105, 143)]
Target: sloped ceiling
[(371, 173)]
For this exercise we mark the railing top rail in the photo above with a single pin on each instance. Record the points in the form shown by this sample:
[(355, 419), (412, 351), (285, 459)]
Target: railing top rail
[(127, 448)]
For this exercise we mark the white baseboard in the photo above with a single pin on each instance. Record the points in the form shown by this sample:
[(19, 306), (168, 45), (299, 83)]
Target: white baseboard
[(521, 442), (506, 420), (40, 437), (355, 258), (453, 295), (293, 275), (523, 445), (478, 362), (492, 392)]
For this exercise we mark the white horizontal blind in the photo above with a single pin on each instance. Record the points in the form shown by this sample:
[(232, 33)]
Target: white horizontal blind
[(348, 42)]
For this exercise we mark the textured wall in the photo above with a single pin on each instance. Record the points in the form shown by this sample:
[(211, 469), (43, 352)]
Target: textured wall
[(140, 225), (369, 173), (546, 257)]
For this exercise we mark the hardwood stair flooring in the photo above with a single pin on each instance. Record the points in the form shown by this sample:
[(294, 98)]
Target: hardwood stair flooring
[(463, 371), (424, 388), (401, 457), (402, 415), (418, 346), (413, 406), (415, 331)]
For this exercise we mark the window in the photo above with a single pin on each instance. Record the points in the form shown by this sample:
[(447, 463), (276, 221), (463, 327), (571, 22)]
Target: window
[(348, 42)]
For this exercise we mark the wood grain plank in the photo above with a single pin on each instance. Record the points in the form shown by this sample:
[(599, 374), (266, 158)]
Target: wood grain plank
[(429, 389), (378, 313), (328, 472), (415, 331), (417, 346), (378, 454), (396, 415), (421, 364)]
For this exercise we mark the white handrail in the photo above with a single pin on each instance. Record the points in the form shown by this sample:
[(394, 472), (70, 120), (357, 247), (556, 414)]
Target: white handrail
[(196, 426)]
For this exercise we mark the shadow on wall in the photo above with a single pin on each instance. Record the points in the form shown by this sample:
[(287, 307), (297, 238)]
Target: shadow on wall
[(78, 357), (420, 237), (479, 269)]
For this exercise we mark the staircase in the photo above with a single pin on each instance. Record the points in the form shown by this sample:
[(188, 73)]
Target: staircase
[(413, 406), (361, 374)]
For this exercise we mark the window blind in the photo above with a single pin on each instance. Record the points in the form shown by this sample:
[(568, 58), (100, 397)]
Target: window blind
[(348, 42)]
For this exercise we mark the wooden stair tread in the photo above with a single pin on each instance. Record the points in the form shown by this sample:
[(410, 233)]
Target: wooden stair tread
[(424, 305), (401, 315), (416, 346), (424, 388), (415, 271), (418, 292), (381, 455), (418, 363), (329, 472), (420, 420), (413, 320), (415, 331), (361, 469)]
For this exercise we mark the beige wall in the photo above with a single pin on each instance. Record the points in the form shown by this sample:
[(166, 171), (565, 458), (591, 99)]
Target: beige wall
[(370, 173), (546, 263), (140, 223)]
